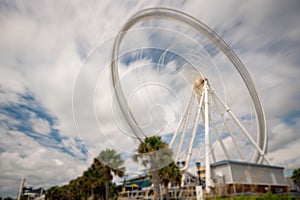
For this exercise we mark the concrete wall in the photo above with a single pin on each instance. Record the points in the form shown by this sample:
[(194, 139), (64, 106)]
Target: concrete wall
[(247, 173), (220, 171)]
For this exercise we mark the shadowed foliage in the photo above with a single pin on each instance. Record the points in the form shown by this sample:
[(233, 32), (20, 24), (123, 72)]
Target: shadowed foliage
[(95, 182), (170, 174), (296, 177), (113, 164), (155, 154)]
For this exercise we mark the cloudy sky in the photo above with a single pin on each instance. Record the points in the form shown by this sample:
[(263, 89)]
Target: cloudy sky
[(57, 107)]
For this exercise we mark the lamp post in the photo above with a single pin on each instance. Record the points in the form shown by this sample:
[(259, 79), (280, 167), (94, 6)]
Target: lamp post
[(124, 182), (183, 163), (198, 165), (180, 164)]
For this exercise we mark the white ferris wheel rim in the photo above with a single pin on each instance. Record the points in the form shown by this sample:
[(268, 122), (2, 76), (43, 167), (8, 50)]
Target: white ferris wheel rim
[(182, 17)]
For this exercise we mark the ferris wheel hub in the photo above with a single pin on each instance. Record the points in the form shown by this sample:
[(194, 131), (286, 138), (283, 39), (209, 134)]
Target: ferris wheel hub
[(199, 82)]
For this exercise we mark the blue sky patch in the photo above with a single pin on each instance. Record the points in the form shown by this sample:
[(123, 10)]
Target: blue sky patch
[(21, 116)]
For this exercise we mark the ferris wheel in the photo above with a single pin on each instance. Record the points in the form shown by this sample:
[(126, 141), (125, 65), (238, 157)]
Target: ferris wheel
[(208, 116)]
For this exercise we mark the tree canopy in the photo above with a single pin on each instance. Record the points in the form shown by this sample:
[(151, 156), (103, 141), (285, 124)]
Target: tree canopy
[(95, 182), (296, 177), (113, 163), (156, 154)]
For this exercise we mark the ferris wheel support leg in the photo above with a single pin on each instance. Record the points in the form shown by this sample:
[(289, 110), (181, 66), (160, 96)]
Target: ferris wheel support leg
[(212, 152), (208, 182), (234, 141), (183, 133), (195, 128), (219, 140), (183, 120), (248, 136), (260, 151), (229, 130), (176, 132), (210, 147)]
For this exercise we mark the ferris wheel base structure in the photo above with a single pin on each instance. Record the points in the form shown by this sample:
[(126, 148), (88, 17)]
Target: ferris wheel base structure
[(204, 96), (234, 177)]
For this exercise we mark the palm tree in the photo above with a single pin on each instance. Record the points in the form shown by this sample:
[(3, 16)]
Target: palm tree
[(73, 190), (156, 153), (170, 174), (296, 177), (94, 181), (113, 163)]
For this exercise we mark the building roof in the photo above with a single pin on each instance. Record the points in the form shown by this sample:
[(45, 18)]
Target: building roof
[(140, 183), (30, 190), (143, 180), (224, 162)]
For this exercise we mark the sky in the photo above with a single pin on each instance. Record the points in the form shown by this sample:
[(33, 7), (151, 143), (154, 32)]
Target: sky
[(58, 107)]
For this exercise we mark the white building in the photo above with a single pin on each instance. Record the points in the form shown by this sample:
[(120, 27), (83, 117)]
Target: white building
[(239, 177)]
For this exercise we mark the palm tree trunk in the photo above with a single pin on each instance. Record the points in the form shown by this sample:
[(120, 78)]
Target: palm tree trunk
[(107, 190), (167, 190), (156, 184)]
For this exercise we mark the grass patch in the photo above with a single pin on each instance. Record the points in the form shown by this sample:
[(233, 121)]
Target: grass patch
[(266, 196)]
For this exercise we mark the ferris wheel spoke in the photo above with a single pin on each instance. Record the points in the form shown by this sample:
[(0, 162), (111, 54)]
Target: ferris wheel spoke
[(242, 128)]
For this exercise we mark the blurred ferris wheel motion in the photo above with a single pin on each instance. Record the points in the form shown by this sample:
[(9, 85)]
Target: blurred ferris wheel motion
[(189, 87)]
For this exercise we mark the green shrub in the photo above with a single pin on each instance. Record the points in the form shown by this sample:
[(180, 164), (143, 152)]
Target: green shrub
[(267, 196)]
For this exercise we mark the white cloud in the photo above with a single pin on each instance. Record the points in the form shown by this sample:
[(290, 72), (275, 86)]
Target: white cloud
[(287, 155), (39, 165), (283, 134), (58, 162), (40, 125)]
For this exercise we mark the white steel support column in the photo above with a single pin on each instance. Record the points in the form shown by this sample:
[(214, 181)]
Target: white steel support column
[(207, 139), (183, 120), (228, 129), (195, 128), (185, 124), (236, 120)]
